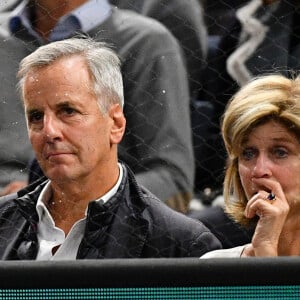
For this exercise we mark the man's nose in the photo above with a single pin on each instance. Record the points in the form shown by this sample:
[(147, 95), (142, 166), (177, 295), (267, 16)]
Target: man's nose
[(51, 128)]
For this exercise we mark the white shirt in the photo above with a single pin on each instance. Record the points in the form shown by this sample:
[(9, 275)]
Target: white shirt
[(225, 253), (84, 18), (50, 236)]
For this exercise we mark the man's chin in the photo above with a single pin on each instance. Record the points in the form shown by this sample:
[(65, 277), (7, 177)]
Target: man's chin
[(58, 174)]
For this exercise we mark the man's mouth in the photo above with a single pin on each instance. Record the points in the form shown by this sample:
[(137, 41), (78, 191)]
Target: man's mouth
[(50, 155)]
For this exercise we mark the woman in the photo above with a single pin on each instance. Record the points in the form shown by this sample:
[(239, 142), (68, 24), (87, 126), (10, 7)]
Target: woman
[(261, 132)]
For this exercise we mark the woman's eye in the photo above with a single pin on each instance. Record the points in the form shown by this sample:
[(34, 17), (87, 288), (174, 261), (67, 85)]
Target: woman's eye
[(280, 152), (248, 154)]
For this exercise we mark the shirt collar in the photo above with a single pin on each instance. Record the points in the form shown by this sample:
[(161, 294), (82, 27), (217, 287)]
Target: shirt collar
[(114, 189), (84, 18), (92, 13), (20, 16), (46, 194)]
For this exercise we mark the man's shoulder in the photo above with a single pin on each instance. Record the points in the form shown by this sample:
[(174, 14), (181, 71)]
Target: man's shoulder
[(4, 200), (26, 197), (162, 213), (4, 18), (13, 48), (145, 23), (130, 28), (170, 225), (7, 203)]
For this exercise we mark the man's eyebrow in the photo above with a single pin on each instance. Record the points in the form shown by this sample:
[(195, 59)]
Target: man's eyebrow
[(71, 104), (63, 104), (32, 111)]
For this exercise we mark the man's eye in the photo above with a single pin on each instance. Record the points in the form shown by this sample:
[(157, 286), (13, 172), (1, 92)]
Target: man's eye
[(69, 110), (35, 117)]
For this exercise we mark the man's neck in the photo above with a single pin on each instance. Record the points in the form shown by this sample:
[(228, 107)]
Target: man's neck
[(70, 200), (67, 207), (48, 12)]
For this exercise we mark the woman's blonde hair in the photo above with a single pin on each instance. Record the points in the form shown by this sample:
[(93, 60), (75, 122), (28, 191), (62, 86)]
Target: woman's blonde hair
[(267, 97)]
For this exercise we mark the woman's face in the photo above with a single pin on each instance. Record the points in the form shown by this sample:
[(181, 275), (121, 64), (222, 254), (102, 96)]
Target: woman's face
[(271, 155)]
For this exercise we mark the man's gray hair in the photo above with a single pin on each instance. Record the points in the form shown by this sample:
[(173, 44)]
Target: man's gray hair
[(102, 62)]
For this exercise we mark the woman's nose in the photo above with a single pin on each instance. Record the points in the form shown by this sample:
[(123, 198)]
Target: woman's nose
[(262, 167)]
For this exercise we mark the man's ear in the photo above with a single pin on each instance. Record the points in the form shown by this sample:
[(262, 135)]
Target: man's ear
[(118, 123)]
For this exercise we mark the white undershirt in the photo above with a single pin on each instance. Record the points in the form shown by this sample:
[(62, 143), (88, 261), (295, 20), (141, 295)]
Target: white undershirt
[(50, 236), (225, 253)]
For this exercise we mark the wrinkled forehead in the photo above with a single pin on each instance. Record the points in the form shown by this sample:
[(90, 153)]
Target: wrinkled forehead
[(69, 72), (274, 128)]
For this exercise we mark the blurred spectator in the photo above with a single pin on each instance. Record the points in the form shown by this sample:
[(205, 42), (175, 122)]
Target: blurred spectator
[(219, 15), (157, 144), (185, 20), (7, 5)]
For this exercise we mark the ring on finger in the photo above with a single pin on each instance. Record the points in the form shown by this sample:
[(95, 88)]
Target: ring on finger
[(271, 196)]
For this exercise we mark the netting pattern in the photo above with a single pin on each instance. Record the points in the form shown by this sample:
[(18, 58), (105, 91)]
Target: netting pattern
[(224, 44)]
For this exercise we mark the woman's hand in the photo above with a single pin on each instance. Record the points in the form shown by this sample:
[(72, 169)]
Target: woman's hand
[(272, 214)]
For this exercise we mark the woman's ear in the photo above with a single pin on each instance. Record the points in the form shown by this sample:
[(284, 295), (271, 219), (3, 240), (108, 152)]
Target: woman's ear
[(118, 123)]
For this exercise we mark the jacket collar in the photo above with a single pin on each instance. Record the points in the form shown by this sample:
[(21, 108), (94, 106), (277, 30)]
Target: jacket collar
[(115, 229), (109, 230)]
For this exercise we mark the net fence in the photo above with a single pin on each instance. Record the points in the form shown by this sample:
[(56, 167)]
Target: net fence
[(223, 44)]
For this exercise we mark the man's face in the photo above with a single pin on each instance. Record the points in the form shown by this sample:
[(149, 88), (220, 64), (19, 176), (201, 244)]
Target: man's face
[(70, 136)]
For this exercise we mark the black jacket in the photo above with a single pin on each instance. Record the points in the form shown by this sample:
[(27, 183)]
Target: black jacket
[(133, 224)]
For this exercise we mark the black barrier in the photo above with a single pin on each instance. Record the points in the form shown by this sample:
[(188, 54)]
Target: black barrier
[(150, 272), (265, 278)]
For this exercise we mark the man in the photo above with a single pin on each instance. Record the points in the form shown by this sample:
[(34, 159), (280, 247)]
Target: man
[(157, 143), (91, 206)]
